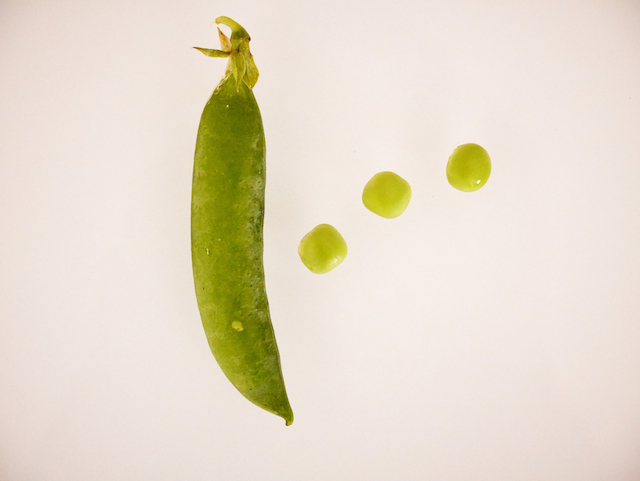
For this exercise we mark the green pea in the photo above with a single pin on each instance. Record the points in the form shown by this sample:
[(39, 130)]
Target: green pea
[(386, 194), (322, 249), (468, 167), (227, 213)]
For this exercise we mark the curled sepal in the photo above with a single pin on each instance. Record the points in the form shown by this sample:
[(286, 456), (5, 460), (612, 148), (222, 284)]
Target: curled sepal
[(236, 48), (225, 43), (241, 64), (251, 73), (211, 52)]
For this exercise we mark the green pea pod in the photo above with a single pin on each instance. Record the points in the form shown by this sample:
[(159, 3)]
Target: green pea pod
[(227, 214)]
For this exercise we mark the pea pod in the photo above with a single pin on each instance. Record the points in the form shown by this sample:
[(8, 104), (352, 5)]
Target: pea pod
[(227, 214)]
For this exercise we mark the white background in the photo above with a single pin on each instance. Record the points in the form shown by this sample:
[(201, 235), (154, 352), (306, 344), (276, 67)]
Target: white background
[(489, 336)]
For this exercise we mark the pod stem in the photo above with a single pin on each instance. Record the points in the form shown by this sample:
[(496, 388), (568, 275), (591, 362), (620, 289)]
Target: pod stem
[(241, 64)]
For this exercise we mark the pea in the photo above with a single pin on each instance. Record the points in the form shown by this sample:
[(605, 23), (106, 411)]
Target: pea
[(322, 249), (468, 167), (227, 214), (386, 194)]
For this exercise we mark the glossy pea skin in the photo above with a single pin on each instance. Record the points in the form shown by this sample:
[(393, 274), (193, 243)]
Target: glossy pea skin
[(227, 214), (468, 167), (386, 194), (322, 249)]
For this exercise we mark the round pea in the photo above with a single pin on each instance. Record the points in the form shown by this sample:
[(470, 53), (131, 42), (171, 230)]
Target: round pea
[(322, 249), (386, 194), (469, 167)]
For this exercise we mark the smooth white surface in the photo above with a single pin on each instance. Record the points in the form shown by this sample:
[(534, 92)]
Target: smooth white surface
[(485, 336)]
